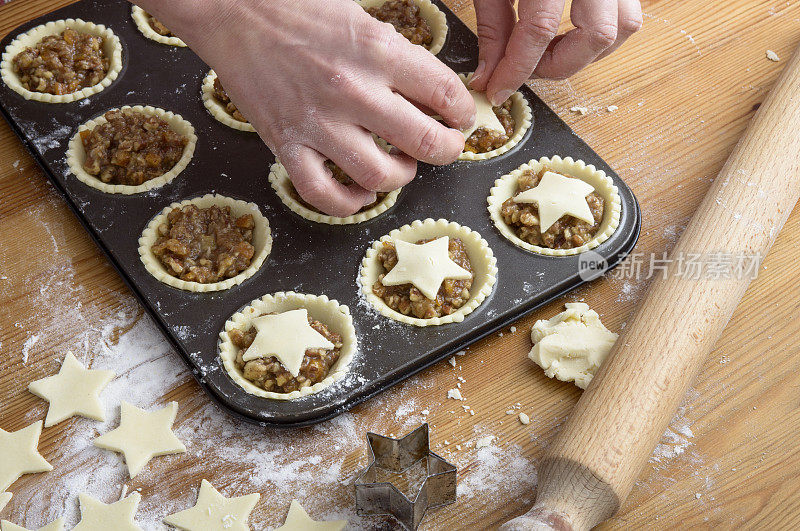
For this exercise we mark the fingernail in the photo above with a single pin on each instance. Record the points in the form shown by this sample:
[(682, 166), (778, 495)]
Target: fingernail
[(478, 72), (500, 97)]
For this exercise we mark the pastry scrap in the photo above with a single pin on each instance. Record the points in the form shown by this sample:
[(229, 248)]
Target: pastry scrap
[(298, 520), (131, 149), (99, 516), (555, 206), (75, 390), (62, 61), (288, 345), (572, 345), (153, 29), (419, 21), (209, 243), (19, 454), (5, 497), (57, 525), (219, 104), (213, 511), (428, 273), (142, 435)]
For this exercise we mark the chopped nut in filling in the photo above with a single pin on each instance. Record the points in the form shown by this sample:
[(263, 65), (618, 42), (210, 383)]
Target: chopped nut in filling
[(269, 374), (484, 140), (131, 148), (343, 178), (566, 233), (225, 100), (404, 15), (158, 27), (62, 64), (407, 299), (205, 244)]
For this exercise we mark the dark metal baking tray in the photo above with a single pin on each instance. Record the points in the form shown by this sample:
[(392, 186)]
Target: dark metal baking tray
[(306, 257)]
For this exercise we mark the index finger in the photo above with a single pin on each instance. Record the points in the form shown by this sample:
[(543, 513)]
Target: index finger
[(537, 26)]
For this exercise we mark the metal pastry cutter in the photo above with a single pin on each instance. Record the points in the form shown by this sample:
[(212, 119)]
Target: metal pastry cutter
[(397, 456)]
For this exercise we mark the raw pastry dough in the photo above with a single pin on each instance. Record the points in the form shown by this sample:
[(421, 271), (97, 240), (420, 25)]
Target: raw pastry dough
[(215, 512), (572, 345), (436, 20), (142, 435), (424, 265), (99, 516), (75, 390), (557, 196), (480, 256), (19, 454), (57, 525), (139, 16), (336, 317), (217, 110), (262, 241), (484, 115), (5, 497), (76, 155), (506, 186), (298, 520), (111, 46)]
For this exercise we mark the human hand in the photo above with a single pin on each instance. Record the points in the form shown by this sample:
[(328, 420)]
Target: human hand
[(511, 51), (316, 79)]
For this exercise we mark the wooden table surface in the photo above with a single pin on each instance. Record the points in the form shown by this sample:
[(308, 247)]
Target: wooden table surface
[(686, 86)]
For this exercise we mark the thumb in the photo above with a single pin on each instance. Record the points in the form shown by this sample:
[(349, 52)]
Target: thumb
[(495, 23)]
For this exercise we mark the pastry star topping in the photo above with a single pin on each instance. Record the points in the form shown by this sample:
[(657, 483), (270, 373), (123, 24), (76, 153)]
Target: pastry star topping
[(286, 336), (19, 454), (5, 497), (57, 525), (484, 115), (298, 520), (73, 391), (142, 435), (425, 265), (215, 512), (99, 516), (556, 196)]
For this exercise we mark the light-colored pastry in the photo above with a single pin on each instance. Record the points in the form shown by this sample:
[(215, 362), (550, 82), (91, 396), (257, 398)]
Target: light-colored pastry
[(460, 241), (19, 454), (75, 390), (76, 153), (330, 318), (572, 345), (558, 200), (261, 243), (5, 497), (142, 435), (519, 115), (215, 512), (298, 520), (112, 50), (435, 18), (99, 516), (56, 525), (217, 109), (142, 20)]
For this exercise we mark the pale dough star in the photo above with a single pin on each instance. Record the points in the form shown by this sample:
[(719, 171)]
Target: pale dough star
[(298, 520), (484, 115), (142, 435), (57, 525), (286, 336), (75, 390), (425, 265), (215, 512), (19, 454), (556, 196), (99, 516), (5, 497)]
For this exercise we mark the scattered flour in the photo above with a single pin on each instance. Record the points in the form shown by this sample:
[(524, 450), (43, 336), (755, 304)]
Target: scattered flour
[(26, 347)]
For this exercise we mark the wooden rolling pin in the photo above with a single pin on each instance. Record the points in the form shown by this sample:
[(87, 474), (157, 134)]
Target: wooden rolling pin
[(590, 468)]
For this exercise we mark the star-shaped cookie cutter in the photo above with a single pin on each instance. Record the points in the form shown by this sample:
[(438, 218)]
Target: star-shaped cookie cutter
[(396, 456)]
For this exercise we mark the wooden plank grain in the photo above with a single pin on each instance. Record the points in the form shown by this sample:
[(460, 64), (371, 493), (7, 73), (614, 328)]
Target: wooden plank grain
[(685, 86)]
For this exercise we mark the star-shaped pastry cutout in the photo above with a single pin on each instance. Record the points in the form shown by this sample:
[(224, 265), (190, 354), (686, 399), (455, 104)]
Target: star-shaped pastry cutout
[(215, 512), (57, 525), (5, 497), (298, 520), (99, 516), (484, 115), (73, 391), (142, 435), (556, 196), (286, 336), (425, 265), (19, 454)]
